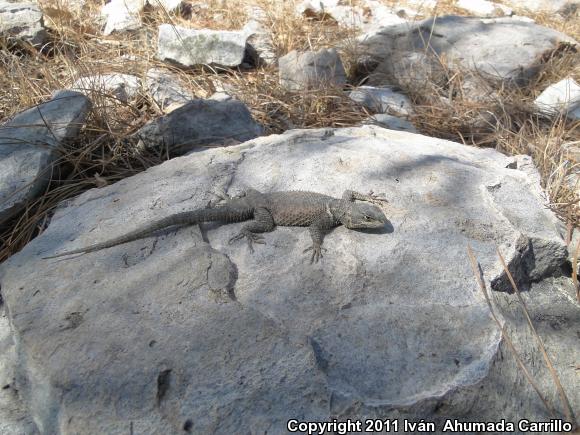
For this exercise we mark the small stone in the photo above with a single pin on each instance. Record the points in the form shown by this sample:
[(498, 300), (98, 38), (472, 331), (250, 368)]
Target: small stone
[(382, 100), (391, 122), (29, 144), (22, 21), (122, 15), (166, 90), (123, 87), (484, 8), (191, 47), (562, 98), (311, 70)]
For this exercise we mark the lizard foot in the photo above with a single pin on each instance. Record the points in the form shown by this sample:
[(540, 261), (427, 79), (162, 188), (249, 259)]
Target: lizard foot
[(251, 238), (377, 199), (316, 253)]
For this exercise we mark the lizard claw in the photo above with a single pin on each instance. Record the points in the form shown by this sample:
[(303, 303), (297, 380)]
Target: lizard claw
[(251, 238), (316, 253)]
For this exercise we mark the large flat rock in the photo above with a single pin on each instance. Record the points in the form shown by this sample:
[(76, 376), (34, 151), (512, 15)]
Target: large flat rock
[(506, 49), (184, 331)]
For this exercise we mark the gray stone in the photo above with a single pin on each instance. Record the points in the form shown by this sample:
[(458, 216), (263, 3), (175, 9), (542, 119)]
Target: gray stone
[(198, 123), (201, 47), (503, 49), (366, 16), (123, 15), (391, 122), (166, 90), (484, 8), (22, 20), (187, 330), (562, 98), (560, 6), (382, 100), (14, 418), (311, 70), (260, 43), (123, 87), (29, 144), (220, 96)]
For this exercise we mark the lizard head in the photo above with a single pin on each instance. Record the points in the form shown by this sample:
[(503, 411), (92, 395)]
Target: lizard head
[(360, 215)]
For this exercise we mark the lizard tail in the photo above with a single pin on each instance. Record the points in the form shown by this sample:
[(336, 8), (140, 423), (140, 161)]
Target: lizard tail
[(219, 214)]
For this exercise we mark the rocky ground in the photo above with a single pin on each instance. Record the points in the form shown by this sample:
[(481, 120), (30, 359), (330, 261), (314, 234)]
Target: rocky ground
[(465, 114)]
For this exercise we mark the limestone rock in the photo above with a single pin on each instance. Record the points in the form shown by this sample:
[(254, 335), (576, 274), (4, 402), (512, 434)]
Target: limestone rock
[(184, 330), (166, 90), (123, 15), (198, 123), (29, 144), (201, 47), (484, 8), (382, 100), (14, 419), (500, 48), (545, 5), (391, 122), (562, 98), (260, 46), (311, 70), (123, 87), (367, 16), (22, 20)]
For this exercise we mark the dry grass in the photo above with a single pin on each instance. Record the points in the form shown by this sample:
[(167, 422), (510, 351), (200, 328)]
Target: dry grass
[(100, 156)]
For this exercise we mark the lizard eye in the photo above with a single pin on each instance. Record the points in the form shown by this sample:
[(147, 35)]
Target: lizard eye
[(367, 218)]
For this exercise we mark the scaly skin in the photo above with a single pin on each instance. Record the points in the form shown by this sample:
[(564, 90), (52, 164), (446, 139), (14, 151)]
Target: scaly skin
[(318, 212)]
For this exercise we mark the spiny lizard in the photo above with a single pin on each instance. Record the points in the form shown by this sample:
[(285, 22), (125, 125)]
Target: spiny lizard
[(316, 211)]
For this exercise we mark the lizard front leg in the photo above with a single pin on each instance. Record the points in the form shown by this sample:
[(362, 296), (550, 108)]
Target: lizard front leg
[(262, 223), (351, 196), (318, 229)]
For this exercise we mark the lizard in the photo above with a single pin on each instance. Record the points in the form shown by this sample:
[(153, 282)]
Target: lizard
[(316, 211)]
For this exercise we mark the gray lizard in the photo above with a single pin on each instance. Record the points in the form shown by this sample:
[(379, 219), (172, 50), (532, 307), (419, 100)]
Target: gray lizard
[(316, 211)]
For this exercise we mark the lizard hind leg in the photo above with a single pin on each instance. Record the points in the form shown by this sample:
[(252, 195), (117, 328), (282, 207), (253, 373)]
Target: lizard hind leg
[(262, 223)]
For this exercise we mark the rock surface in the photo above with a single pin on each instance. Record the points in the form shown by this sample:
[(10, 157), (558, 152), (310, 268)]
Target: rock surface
[(391, 122), (260, 43), (191, 47), (123, 15), (366, 16), (14, 419), (500, 48), (311, 70), (484, 8), (29, 143), (545, 5), (166, 90), (22, 20), (198, 123), (382, 100), (123, 87), (562, 98), (187, 332)]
